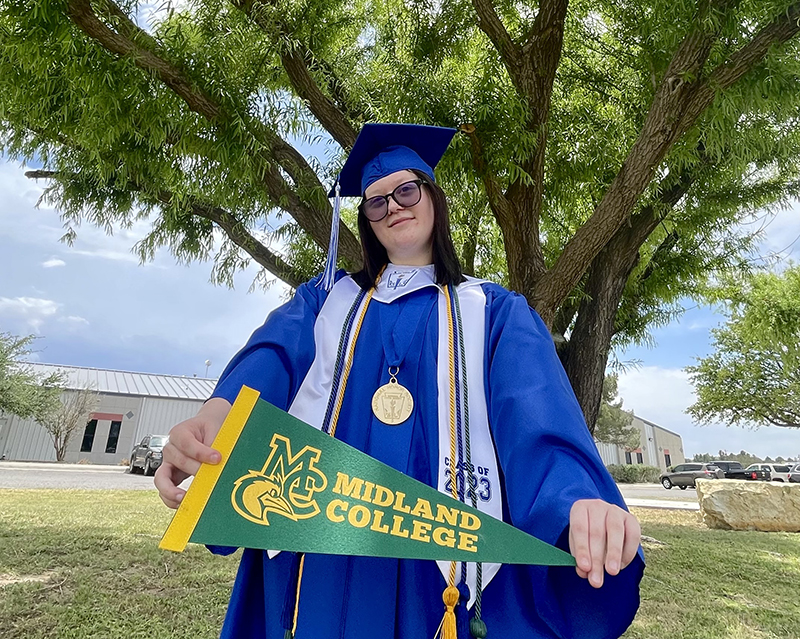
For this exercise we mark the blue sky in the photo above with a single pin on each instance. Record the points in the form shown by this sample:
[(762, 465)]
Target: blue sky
[(93, 304)]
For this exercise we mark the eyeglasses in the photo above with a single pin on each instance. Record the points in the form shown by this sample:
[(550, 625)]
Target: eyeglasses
[(407, 194)]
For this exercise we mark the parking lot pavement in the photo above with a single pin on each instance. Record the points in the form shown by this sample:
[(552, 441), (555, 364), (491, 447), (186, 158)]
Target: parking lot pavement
[(70, 476), (91, 476)]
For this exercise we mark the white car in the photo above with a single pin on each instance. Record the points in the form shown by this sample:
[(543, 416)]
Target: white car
[(778, 472)]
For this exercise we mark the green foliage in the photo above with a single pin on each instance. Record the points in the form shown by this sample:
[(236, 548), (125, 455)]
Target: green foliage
[(614, 424), (753, 376), (120, 139), (209, 115), (22, 393), (634, 473), (743, 457)]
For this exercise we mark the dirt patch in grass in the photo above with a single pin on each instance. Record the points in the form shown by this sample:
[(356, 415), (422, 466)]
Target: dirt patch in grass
[(10, 580)]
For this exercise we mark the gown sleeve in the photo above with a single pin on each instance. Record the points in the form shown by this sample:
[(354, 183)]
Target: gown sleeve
[(276, 358), (548, 460)]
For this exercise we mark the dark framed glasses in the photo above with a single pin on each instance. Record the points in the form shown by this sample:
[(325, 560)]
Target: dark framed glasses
[(407, 194)]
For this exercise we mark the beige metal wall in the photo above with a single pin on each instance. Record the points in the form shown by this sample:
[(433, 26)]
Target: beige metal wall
[(655, 443), (25, 440)]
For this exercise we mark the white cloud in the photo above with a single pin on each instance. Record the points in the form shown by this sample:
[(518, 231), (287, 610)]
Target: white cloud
[(53, 262), (106, 254), (662, 395), (32, 310), (74, 319), (28, 306)]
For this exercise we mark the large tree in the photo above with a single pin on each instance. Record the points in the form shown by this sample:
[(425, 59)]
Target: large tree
[(607, 148), (752, 378), (22, 392)]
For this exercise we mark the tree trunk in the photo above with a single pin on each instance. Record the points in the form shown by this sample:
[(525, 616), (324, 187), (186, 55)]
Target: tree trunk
[(586, 355), (590, 342)]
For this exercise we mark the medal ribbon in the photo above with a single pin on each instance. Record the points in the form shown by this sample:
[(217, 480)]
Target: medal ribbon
[(396, 337)]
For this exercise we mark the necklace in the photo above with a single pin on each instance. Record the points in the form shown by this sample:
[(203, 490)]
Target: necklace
[(392, 403)]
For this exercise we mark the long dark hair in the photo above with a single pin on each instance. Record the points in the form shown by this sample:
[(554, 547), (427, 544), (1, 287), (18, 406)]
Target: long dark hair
[(447, 268)]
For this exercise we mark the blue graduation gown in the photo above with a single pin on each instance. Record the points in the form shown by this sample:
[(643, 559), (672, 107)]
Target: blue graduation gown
[(547, 461)]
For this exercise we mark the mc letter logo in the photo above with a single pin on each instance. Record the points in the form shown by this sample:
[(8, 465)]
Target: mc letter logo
[(285, 485)]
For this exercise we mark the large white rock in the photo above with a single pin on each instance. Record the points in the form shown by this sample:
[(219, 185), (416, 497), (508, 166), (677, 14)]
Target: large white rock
[(749, 505)]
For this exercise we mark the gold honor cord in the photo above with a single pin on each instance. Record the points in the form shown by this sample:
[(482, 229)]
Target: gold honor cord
[(335, 421), (451, 594), (349, 363)]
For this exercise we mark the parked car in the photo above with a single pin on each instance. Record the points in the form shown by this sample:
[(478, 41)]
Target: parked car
[(734, 470), (684, 475), (794, 474), (777, 472), (147, 455)]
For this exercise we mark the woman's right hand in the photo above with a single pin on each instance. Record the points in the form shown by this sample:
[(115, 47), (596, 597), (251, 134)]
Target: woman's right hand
[(189, 446)]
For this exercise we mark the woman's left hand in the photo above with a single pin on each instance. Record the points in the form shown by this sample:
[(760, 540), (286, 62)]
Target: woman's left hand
[(602, 538)]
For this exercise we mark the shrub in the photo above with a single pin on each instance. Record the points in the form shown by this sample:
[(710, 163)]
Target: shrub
[(634, 473)]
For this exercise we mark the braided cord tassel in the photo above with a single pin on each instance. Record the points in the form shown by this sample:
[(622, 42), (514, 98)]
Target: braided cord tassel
[(477, 627)]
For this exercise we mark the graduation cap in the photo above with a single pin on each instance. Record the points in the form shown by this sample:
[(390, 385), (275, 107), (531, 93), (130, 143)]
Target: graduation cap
[(380, 150)]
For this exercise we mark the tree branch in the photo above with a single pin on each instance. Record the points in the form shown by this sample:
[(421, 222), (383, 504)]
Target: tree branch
[(489, 22), (233, 228), (779, 31), (295, 60), (677, 105), (501, 208), (315, 222)]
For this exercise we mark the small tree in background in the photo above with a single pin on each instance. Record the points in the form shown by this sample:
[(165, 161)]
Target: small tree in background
[(613, 423), (753, 376), (22, 393), (69, 418)]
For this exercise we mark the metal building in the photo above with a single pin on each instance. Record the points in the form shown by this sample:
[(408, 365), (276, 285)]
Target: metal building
[(131, 406), (658, 447)]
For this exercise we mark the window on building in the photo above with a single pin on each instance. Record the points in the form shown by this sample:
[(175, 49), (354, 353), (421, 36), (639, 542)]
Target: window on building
[(628, 457), (88, 436), (667, 460), (639, 458), (113, 437)]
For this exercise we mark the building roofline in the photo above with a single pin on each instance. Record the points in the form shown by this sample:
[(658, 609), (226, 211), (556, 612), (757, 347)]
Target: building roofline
[(654, 425), (117, 370), (115, 382)]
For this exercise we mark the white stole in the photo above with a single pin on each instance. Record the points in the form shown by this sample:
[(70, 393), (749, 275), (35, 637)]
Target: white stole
[(311, 400)]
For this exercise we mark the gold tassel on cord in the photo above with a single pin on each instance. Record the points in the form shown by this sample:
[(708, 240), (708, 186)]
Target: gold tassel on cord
[(450, 598)]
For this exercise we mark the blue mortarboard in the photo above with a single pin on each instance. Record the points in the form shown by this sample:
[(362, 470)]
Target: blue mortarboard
[(380, 150)]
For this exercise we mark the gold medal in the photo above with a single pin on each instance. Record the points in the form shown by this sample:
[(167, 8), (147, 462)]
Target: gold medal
[(392, 403)]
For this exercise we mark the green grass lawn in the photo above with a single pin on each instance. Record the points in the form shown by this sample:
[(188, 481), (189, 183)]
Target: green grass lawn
[(86, 564)]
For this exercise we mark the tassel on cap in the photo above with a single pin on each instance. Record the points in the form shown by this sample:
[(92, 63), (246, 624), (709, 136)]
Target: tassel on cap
[(328, 275)]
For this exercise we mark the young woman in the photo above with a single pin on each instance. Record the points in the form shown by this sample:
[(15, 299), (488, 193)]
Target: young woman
[(422, 339)]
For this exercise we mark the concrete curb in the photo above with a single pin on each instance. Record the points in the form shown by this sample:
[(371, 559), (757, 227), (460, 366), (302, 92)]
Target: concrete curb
[(663, 504), (21, 465)]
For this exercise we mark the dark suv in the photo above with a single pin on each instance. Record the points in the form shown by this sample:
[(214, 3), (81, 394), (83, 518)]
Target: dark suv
[(146, 455)]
